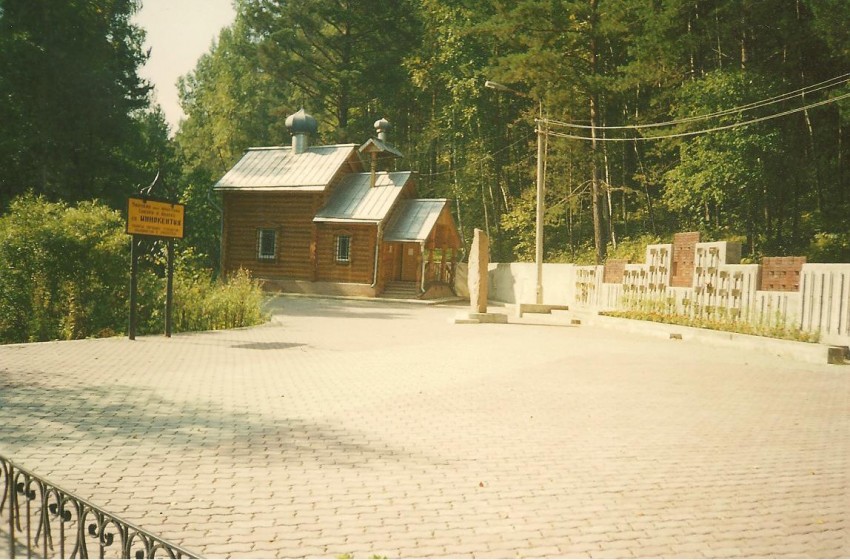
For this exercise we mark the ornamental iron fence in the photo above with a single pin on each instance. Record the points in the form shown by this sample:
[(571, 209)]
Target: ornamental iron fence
[(43, 520)]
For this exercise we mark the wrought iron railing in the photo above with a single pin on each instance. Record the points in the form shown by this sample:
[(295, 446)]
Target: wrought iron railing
[(44, 520)]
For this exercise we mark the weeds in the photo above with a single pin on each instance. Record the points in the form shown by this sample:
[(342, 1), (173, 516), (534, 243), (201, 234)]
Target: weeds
[(663, 310), (201, 304)]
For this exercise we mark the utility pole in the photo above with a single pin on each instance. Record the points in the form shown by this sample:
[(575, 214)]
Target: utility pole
[(600, 244), (541, 188), (541, 202)]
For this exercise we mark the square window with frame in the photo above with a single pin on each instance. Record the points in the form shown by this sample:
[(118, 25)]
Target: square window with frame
[(266, 244), (343, 249)]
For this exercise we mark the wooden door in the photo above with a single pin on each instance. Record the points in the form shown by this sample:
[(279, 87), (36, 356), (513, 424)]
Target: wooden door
[(396, 250), (409, 262)]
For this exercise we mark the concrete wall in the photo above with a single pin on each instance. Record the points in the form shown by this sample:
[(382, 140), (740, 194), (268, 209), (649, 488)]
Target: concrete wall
[(824, 301), (516, 282), (822, 304)]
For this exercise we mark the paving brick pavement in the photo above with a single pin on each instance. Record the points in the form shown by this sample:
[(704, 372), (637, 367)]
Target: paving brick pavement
[(347, 427)]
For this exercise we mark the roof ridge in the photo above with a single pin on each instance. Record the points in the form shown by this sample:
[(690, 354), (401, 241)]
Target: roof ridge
[(409, 171), (288, 147)]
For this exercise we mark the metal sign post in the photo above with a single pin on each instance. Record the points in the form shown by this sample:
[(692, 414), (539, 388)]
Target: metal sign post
[(169, 288), (134, 285), (156, 219)]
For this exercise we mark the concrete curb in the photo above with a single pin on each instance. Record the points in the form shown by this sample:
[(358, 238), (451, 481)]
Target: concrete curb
[(809, 352), (440, 301)]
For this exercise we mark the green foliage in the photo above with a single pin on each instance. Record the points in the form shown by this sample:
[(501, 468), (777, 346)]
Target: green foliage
[(202, 304), (231, 106), (470, 142), (65, 271), (344, 59), (829, 248), (722, 178), (713, 318), (829, 17), (74, 110), (65, 275), (774, 184), (78, 122), (633, 249), (519, 222)]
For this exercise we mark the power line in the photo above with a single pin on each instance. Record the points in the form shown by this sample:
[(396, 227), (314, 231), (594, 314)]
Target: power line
[(483, 140), (703, 131), (832, 82), (479, 161)]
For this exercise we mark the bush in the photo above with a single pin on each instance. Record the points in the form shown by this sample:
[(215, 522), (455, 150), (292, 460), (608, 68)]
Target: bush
[(65, 274), (631, 249), (829, 248), (64, 271), (203, 304)]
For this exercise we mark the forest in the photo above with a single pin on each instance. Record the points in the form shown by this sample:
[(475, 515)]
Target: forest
[(728, 117)]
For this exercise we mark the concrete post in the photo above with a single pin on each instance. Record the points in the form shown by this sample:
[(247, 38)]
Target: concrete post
[(479, 258)]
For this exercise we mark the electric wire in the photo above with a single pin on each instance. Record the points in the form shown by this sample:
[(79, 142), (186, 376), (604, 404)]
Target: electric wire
[(480, 160), (832, 82), (698, 132), (415, 155)]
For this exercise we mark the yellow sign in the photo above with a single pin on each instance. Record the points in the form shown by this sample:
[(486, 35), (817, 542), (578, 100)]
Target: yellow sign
[(154, 218)]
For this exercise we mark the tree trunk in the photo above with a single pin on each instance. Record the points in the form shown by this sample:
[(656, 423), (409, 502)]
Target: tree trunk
[(840, 163), (649, 210), (744, 46)]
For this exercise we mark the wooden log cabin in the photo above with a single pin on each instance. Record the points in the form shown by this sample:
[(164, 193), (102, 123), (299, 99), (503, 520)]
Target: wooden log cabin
[(311, 219)]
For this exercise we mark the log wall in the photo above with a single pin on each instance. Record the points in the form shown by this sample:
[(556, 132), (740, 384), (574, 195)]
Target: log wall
[(290, 214), (361, 266)]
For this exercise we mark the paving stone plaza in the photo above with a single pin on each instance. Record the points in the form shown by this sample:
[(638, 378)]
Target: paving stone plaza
[(364, 428)]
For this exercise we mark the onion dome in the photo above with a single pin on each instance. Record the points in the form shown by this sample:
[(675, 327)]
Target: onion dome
[(302, 123), (382, 125)]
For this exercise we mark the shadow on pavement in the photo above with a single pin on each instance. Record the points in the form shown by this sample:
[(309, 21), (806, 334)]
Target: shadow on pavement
[(37, 416), (267, 345)]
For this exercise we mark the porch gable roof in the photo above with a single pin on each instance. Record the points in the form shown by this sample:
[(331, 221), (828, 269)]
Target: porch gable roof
[(414, 219)]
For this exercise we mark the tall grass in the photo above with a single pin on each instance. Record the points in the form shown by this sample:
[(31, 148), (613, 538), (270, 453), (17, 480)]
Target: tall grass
[(203, 304), (711, 317)]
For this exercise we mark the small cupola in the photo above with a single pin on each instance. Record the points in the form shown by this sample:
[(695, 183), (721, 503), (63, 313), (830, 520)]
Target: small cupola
[(382, 126), (301, 126), (379, 148)]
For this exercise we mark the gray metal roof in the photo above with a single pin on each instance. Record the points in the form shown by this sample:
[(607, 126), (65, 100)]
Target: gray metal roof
[(379, 146), (355, 200), (279, 169), (414, 219)]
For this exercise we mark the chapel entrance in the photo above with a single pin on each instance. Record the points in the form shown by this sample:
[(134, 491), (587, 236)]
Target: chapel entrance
[(406, 264)]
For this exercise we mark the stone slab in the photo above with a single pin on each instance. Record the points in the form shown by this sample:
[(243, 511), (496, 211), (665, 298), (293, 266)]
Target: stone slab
[(543, 308), (475, 318)]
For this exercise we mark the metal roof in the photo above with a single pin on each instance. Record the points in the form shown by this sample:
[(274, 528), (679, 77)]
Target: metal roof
[(279, 169), (355, 200), (414, 219), (379, 146)]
